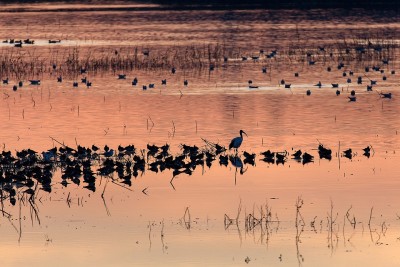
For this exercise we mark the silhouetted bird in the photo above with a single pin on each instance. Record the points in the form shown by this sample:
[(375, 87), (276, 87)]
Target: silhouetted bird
[(237, 141), (34, 82)]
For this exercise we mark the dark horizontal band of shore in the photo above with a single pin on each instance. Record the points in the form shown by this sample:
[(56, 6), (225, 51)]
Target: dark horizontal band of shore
[(95, 5)]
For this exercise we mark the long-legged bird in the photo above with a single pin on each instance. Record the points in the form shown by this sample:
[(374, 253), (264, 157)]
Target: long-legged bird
[(237, 141)]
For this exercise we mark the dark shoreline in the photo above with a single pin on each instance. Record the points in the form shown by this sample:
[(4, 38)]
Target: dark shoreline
[(96, 5)]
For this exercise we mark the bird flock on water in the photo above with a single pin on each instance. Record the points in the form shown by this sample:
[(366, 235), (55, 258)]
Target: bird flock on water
[(311, 56), (28, 171)]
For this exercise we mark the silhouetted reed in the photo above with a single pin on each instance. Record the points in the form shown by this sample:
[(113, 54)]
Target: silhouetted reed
[(28, 63), (263, 225)]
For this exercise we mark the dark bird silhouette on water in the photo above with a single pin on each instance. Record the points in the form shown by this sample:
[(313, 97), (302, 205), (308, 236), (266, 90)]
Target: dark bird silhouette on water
[(297, 155), (34, 82), (280, 157), (249, 158), (367, 151), (307, 158), (223, 160), (352, 98), (348, 153), (269, 156), (386, 95), (324, 153), (237, 141)]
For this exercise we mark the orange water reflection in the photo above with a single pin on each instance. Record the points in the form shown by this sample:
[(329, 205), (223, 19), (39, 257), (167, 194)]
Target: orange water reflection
[(117, 230), (129, 227), (119, 114)]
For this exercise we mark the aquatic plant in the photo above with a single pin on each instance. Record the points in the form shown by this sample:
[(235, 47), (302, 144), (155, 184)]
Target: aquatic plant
[(33, 62)]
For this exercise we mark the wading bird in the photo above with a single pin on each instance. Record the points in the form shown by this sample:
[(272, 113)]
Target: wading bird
[(237, 141)]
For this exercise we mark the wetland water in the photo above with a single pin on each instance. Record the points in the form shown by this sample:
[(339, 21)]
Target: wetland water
[(339, 212)]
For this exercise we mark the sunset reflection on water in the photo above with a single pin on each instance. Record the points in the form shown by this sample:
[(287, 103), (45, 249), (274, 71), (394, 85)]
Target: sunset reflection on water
[(162, 220)]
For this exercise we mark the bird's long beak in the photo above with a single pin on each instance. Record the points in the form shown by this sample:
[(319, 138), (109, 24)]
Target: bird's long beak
[(245, 133)]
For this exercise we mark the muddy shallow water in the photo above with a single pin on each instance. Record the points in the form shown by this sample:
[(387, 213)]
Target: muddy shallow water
[(347, 209)]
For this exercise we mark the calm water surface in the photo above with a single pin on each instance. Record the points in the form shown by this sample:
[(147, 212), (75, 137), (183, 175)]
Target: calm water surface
[(183, 222)]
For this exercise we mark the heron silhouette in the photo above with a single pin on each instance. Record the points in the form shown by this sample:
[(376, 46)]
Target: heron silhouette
[(237, 141)]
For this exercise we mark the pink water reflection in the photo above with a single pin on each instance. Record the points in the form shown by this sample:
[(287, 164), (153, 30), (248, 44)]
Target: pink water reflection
[(129, 227)]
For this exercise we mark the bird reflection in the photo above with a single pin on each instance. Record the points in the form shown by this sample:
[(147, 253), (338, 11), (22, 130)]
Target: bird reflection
[(238, 164)]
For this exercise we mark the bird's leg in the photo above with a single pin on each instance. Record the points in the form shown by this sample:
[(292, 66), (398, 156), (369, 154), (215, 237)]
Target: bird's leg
[(235, 174)]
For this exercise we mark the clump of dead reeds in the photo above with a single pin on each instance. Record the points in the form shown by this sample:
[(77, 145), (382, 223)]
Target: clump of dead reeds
[(358, 52)]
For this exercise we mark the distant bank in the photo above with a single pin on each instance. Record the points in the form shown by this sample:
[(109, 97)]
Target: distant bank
[(231, 4), (285, 3)]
